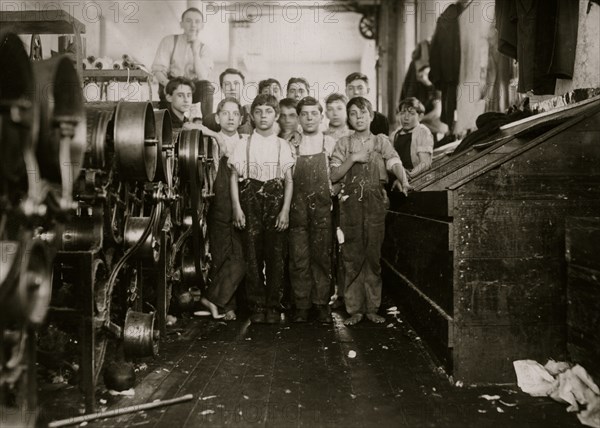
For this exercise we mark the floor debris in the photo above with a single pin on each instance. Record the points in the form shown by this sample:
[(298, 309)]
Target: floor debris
[(208, 397), (128, 392), (490, 397)]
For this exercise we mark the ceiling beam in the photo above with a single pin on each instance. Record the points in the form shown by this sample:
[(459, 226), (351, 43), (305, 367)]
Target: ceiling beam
[(337, 5)]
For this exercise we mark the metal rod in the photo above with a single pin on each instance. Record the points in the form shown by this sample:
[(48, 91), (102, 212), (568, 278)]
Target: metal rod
[(118, 412)]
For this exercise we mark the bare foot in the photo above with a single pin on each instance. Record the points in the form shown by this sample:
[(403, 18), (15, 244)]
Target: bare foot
[(214, 311), (230, 316), (354, 319), (375, 318)]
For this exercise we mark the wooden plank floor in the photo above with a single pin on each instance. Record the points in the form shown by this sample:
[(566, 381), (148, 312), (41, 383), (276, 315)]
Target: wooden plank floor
[(297, 375)]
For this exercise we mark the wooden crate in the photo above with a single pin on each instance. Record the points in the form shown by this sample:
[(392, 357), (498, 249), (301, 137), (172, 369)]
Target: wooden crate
[(479, 250), (583, 292)]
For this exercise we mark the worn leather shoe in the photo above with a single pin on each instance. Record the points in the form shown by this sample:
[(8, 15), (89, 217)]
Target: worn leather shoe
[(324, 314), (301, 315), (273, 316)]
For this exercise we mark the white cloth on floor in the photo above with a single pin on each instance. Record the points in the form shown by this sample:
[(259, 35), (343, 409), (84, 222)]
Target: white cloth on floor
[(563, 383)]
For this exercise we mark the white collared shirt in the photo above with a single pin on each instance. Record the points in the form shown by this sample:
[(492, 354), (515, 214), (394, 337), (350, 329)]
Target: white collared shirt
[(263, 157)]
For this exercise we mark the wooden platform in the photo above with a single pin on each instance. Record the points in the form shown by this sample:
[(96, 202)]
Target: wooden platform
[(300, 375)]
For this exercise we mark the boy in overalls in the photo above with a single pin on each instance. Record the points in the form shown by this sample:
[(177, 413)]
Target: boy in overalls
[(261, 194), (357, 162), (228, 266), (310, 216)]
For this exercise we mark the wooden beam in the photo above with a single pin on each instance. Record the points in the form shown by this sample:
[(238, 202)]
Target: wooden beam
[(41, 22)]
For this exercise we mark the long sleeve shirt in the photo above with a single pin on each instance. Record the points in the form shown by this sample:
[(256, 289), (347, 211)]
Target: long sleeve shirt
[(352, 144), (175, 57), (422, 142)]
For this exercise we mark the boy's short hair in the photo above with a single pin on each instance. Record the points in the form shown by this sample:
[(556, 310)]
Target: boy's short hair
[(288, 103), (265, 100), (176, 82), (228, 100), (412, 102), (266, 83), (192, 9), (308, 101), (336, 97), (299, 80), (231, 71), (356, 76), (360, 102)]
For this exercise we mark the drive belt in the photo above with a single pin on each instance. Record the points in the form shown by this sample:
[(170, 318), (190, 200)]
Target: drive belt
[(191, 170)]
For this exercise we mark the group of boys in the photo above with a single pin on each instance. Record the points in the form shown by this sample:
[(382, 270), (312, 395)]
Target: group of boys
[(282, 184)]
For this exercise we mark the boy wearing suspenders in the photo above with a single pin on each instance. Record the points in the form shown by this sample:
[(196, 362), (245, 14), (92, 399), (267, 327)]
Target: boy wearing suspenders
[(357, 163), (261, 194), (184, 55), (310, 216)]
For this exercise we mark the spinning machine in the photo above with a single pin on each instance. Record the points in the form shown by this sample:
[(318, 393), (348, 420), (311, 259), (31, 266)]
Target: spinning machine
[(103, 212)]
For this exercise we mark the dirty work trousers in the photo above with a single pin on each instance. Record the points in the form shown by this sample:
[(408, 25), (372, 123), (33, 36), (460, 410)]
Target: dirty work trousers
[(228, 267), (264, 247), (310, 232), (362, 219)]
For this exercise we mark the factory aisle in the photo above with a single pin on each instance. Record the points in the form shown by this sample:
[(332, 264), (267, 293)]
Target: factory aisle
[(312, 375)]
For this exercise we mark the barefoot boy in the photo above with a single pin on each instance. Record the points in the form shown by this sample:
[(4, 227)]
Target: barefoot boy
[(261, 194), (356, 162), (228, 266), (310, 216)]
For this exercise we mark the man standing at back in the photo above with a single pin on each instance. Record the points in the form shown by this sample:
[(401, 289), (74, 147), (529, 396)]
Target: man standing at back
[(185, 55), (357, 85)]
